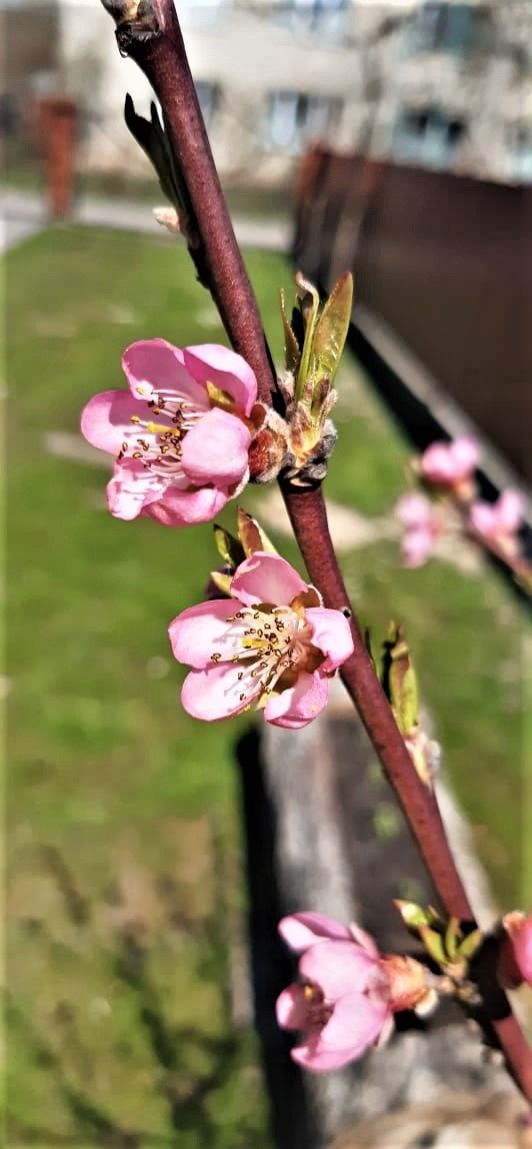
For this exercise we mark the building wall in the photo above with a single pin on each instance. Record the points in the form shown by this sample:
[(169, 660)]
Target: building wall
[(259, 73), (439, 83)]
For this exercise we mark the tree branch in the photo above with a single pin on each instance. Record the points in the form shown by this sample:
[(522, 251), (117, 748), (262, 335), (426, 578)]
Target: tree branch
[(149, 32), (155, 42)]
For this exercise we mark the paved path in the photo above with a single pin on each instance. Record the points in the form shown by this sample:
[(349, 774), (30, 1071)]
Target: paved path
[(23, 214)]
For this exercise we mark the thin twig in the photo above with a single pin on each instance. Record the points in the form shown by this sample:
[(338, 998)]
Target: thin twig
[(149, 33)]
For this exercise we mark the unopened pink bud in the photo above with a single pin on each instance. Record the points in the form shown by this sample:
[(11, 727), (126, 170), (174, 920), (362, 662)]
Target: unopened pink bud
[(449, 464), (515, 955)]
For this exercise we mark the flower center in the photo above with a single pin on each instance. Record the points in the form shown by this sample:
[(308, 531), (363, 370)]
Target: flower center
[(275, 646), (157, 444), (318, 1010)]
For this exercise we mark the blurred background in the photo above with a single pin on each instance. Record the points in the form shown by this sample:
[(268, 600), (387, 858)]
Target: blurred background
[(395, 139)]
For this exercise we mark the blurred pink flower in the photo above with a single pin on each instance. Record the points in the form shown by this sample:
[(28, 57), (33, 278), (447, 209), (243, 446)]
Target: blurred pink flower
[(421, 525), (347, 994), (497, 522), (449, 464), (272, 643), (342, 1006), (179, 434), (515, 956)]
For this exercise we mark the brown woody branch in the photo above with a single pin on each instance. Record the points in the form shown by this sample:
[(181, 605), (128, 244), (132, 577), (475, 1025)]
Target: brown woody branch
[(148, 31)]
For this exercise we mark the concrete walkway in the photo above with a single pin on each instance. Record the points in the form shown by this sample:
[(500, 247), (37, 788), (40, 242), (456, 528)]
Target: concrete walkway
[(23, 214)]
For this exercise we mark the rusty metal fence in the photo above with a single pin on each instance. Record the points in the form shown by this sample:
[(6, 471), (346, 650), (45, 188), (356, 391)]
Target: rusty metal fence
[(444, 262)]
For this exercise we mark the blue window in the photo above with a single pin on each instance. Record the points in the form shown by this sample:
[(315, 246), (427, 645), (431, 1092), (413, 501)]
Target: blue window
[(427, 137), (295, 119)]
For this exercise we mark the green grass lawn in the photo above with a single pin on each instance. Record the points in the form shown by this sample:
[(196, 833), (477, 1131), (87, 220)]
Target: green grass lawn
[(123, 848)]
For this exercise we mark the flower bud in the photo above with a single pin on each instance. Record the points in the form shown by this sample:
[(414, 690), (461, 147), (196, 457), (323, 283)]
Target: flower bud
[(515, 954)]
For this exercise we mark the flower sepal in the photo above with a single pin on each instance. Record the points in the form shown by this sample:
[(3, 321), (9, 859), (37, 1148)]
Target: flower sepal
[(450, 943), (251, 537)]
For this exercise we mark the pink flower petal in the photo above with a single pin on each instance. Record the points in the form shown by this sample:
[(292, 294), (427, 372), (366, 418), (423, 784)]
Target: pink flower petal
[(291, 1008), (510, 510), (437, 464), (338, 967), (355, 1024), (450, 463), (299, 704), (216, 450), (414, 510), (386, 1032), (266, 578), (106, 420), (482, 518), (210, 362), (464, 455), (217, 692), (362, 938), (184, 508), (155, 365), (300, 931), (331, 633), (202, 630), (416, 547), (131, 489)]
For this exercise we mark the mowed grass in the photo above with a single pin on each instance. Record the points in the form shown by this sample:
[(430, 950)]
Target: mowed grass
[(126, 897)]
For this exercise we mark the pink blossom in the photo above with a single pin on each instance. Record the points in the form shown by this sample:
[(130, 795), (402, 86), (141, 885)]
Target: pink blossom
[(347, 992), (421, 525), (497, 522), (449, 464), (515, 956), (179, 435), (342, 1004), (272, 643)]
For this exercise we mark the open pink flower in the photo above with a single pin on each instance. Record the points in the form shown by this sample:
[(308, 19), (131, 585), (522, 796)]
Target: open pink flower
[(497, 522), (449, 464), (341, 1005), (515, 955), (179, 435), (421, 525), (272, 643), (347, 993)]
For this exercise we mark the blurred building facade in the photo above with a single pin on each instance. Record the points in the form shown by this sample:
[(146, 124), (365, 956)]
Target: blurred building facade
[(438, 83)]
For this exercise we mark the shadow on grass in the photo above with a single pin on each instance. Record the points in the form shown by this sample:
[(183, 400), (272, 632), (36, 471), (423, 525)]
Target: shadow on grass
[(171, 1053)]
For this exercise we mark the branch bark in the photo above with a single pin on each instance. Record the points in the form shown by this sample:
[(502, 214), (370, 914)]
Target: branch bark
[(149, 32)]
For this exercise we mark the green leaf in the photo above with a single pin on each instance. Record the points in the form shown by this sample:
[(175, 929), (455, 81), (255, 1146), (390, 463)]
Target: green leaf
[(330, 334), (309, 303), (413, 915), (433, 943), (222, 581), (404, 696), (452, 936), (399, 679), (435, 919), (470, 944), (229, 548)]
